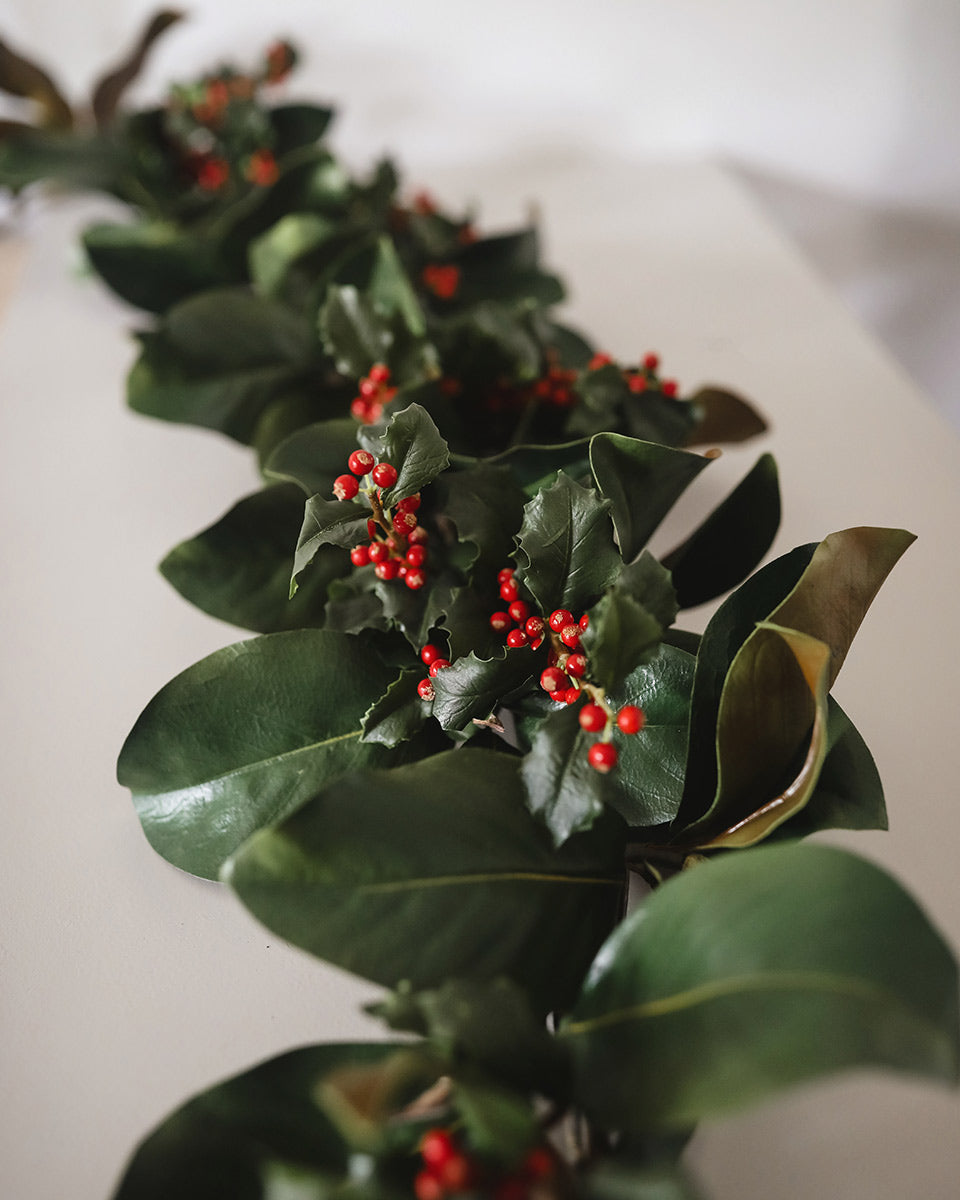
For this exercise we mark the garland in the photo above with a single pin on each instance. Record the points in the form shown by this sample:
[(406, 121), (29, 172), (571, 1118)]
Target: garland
[(470, 719)]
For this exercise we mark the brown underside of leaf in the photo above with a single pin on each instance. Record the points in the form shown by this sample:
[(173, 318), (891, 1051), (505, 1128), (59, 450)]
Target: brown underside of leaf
[(726, 417), (21, 77), (110, 87)]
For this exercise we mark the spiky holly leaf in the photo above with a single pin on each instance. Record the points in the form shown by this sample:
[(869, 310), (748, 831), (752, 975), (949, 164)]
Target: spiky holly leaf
[(473, 687), (327, 523), (398, 714), (413, 444), (622, 634), (314, 455), (353, 606), (486, 505)]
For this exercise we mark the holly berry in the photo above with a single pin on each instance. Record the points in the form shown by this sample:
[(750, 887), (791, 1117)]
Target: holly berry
[(553, 680), (630, 719), (405, 522), (584, 622), (426, 1186), (425, 689), (558, 618), (379, 552), (593, 718), (438, 665), (505, 574), (261, 168), (598, 361), (388, 569), (361, 462), (345, 487), (360, 556), (414, 577), (571, 695), (442, 280), (384, 475), (418, 535), (637, 383), (500, 622), (576, 666), (379, 373), (456, 1173), (436, 1146), (602, 756), (519, 610), (509, 591), (670, 387), (570, 635), (409, 504), (416, 556), (651, 361), (516, 638), (213, 174), (539, 1163), (534, 627)]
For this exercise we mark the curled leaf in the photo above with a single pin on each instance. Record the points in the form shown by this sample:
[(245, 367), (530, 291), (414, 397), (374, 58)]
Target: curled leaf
[(110, 87)]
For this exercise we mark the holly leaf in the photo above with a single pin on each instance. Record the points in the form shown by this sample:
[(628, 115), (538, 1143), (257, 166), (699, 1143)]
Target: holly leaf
[(398, 714), (706, 954), (563, 790), (391, 291), (729, 544), (650, 584), (536, 467), (565, 550), (497, 1121), (352, 333), (238, 569), (473, 687), (413, 444), (641, 481), (622, 634), (618, 1180), (353, 606), (243, 737), (327, 523), (435, 870), (486, 506)]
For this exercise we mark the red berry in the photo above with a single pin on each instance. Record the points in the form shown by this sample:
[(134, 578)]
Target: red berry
[(409, 504), (534, 628), (500, 621), (598, 361), (418, 535), (516, 638), (593, 718), (430, 653), (539, 1163), (425, 689), (651, 361), (436, 1146), (379, 552), (509, 591), (345, 487), (570, 696), (261, 168), (384, 475), (360, 556), (379, 373), (553, 680), (361, 462), (388, 569), (437, 665), (602, 756), (505, 574), (416, 556), (405, 523), (570, 635), (456, 1173), (576, 666), (630, 719), (637, 383), (414, 578), (359, 410), (584, 622), (669, 387), (426, 1186), (368, 388), (558, 618), (519, 610)]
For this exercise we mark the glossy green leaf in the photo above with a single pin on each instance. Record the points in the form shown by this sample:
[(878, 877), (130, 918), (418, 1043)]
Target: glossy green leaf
[(497, 1122), (723, 416), (563, 790), (221, 1142), (472, 687), (296, 125), (729, 544), (622, 634), (398, 714), (352, 604), (753, 972), (81, 161), (654, 417), (486, 506), (566, 555), (650, 584), (239, 568), (642, 481), (243, 737), (314, 456), (352, 333), (435, 870), (327, 523), (413, 444), (391, 291), (152, 265), (273, 252)]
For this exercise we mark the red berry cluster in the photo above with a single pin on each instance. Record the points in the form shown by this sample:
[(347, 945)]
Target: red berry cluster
[(643, 378), (555, 387), (397, 546), (433, 659), (564, 678), (441, 279), (448, 1171), (375, 392), (261, 168)]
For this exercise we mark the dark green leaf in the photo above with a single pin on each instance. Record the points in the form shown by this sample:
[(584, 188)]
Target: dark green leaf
[(229, 329), (352, 333), (327, 523), (353, 606), (391, 292), (563, 790), (473, 687), (613, 1180), (241, 738), (220, 1142), (650, 584), (296, 125), (239, 568), (315, 455), (642, 481), (486, 506), (80, 161), (273, 252), (730, 543), (622, 634), (412, 443), (535, 467), (702, 991), (435, 870), (566, 554), (498, 1123), (398, 714), (723, 416)]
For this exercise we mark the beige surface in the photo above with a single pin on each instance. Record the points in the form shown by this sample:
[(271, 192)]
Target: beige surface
[(125, 984)]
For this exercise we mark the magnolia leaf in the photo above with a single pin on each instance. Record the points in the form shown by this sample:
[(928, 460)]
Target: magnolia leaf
[(239, 568), (273, 252), (823, 592), (730, 543), (21, 77), (412, 443), (642, 481), (700, 989), (243, 737), (314, 455), (152, 264), (621, 635), (110, 88), (723, 416), (398, 714), (234, 328), (327, 523), (654, 417), (352, 333), (566, 554), (222, 1141), (472, 688), (28, 155), (435, 870)]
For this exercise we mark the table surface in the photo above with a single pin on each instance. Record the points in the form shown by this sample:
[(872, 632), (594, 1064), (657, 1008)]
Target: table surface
[(126, 985)]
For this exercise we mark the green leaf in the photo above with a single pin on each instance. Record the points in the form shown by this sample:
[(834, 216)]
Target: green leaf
[(80, 161), (729, 544), (152, 265), (239, 568), (412, 443), (613, 1180), (243, 737), (435, 870), (221, 1141), (642, 481), (497, 1122), (273, 252), (314, 456), (486, 506), (296, 125), (391, 292), (352, 333), (327, 523), (723, 416), (621, 635), (473, 687), (701, 991), (536, 467), (563, 790), (398, 714), (566, 554), (353, 606)]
